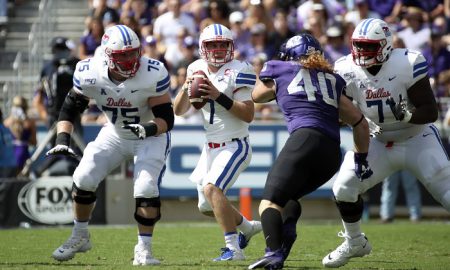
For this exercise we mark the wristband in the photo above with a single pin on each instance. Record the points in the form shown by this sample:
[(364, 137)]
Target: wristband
[(150, 129), (225, 101), (63, 138)]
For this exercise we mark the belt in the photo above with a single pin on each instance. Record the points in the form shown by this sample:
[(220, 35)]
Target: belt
[(217, 145)]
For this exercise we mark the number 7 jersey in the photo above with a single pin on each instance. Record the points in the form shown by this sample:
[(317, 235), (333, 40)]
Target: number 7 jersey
[(127, 102), (370, 92)]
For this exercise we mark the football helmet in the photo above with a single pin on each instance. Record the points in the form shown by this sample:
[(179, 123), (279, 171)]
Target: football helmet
[(216, 45), (371, 42), (122, 49), (282, 52), (301, 45)]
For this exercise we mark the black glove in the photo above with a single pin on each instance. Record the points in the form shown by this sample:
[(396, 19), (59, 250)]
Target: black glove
[(62, 146), (362, 168), (399, 109), (142, 131)]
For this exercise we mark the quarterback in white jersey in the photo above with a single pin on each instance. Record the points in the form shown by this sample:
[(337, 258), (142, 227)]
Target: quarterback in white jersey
[(132, 91), (391, 87), (227, 150)]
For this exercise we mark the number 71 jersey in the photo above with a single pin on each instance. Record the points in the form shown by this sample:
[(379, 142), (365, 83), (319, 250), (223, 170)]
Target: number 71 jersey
[(308, 98), (126, 102), (370, 92)]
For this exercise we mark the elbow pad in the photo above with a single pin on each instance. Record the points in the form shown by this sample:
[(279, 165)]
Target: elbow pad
[(73, 105), (165, 112)]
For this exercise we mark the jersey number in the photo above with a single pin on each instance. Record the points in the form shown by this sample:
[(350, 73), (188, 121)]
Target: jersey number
[(327, 82), (125, 113)]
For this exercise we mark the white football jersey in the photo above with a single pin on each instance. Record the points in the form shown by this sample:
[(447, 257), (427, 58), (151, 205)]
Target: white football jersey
[(236, 79), (402, 70), (126, 103)]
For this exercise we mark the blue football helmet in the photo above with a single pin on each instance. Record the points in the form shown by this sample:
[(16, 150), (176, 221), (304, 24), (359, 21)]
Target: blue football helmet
[(302, 45)]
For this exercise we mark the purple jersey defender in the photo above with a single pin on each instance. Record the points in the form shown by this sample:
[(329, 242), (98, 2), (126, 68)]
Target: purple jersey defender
[(308, 98)]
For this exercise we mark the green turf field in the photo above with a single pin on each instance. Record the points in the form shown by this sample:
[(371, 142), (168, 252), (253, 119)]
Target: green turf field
[(400, 245)]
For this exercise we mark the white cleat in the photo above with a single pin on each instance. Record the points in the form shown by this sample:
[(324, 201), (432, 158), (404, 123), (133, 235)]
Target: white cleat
[(351, 248), (245, 238), (75, 243), (143, 256)]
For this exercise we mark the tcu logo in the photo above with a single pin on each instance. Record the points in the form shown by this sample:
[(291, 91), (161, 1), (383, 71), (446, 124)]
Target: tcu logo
[(47, 200)]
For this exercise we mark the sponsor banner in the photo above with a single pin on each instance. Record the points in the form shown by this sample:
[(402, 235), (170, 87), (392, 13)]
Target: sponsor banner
[(266, 141), (47, 200)]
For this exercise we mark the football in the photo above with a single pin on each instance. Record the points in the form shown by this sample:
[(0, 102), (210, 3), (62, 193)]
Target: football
[(195, 95)]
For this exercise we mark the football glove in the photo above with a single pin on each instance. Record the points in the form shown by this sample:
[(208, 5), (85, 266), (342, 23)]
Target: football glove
[(374, 129), (61, 149), (399, 109), (137, 129), (362, 168), (62, 146)]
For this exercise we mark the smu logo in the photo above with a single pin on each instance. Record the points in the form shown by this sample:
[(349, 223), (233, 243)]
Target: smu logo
[(47, 200)]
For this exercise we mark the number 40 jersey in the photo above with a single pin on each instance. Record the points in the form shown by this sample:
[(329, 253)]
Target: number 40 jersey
[(126, 102), (308, 98), (370, 92)]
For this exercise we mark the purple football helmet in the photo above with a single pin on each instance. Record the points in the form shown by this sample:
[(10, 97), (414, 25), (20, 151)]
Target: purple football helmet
[(302, 45)]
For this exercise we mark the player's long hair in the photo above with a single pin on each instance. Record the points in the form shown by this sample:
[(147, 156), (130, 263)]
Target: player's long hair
[(316, 61)]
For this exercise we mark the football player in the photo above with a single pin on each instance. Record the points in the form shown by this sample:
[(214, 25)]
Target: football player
[(310, 96), (227, 151), (132, 91), (392, 89)]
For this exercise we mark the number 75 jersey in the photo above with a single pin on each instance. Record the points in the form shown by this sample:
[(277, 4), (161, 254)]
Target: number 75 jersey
[(308, 98), (126, 102), (370, 92)]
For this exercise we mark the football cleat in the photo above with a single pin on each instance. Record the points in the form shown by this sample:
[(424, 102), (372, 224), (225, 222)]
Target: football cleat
[(272, 260), (143, 256), (243, 239), (230, 255), (289, 237), (75, 243), (351, 248)]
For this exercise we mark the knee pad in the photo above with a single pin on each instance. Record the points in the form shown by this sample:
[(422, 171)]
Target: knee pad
[(203, 205), (82, 196), (148, 202), (351, 212)]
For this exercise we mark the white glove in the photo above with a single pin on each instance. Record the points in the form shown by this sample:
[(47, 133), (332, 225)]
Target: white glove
[(61, 149), (137, 129), (374, 129)]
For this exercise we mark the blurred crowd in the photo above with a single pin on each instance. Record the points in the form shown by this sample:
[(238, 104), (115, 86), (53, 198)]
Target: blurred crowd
[(169, 29), (169, 32)]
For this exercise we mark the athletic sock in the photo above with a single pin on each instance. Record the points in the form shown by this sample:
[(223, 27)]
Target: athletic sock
[(272, 228), (231, 240), (352, 229), (245, 226), (145, 239)]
